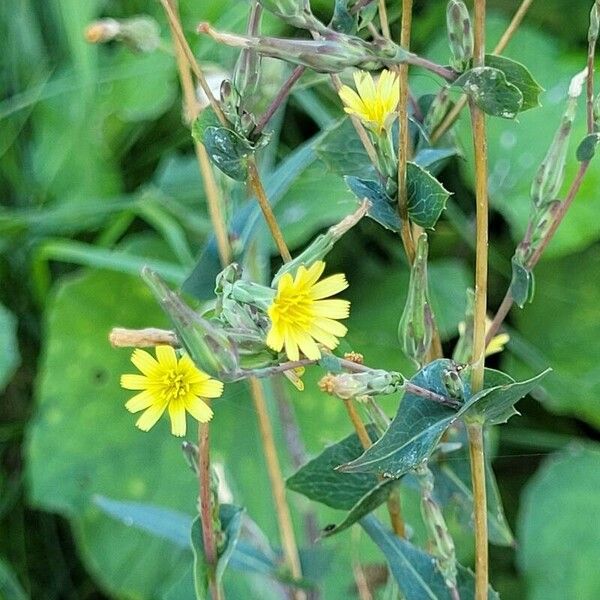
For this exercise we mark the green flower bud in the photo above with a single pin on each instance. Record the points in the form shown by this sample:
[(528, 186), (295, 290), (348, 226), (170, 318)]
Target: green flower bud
[(294, 12), (362, 385), (594, 23), (415, 330), (438, 110), (208, 344), (460, 35), (246, 73)]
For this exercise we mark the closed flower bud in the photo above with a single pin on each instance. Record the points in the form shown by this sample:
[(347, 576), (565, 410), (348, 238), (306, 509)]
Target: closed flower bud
[(360, 385), (460, 35)]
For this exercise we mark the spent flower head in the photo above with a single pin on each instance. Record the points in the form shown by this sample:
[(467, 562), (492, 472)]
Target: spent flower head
[(169, 383), (300, 315), (373, 103)]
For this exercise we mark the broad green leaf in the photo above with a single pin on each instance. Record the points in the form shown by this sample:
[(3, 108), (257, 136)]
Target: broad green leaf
[(519, 76), (9, 347), (426, 196), (559, 550), (587, 148), (491, 91), (231, 521), (360, 493), (372, 500), (562, 329), (319, 481), (415, 571), (171, 525), (415, 431), (381, 210), (228, 151), (495, 405)]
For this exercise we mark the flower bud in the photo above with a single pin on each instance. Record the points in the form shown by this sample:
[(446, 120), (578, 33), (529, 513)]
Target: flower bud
[(415, 330), (438, 110), (141, 34), (594, 23), (207, 344), (359, 385), (246, 73), (460, 35), (294, 12)]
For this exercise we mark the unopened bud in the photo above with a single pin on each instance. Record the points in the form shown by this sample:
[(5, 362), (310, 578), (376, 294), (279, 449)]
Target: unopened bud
[(454, 384), (206, 343), (594, 23), (438, 110), (415, 330), (141, 34), (102, 31), (294, 12), (460, 35), (361, 385)]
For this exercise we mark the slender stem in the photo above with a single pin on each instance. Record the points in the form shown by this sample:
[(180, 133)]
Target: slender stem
[(481, 271), (507, 302), (419, 61), (261, 196), (283, 93), (500, 46), (211, 190), (359, 426), (590, 73), (206, 509), (476, 453), (383, 19), (284, 518), (175, 25), (403, 135)]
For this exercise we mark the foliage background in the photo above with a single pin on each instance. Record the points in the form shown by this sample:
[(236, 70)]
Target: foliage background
[(97, 177)]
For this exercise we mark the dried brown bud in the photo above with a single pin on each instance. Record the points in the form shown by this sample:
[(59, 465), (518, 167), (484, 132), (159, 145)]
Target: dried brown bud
[(327, 384)]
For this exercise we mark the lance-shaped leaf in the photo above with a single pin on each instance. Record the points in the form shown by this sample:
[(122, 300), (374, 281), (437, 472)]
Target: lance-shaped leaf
[(415, 571), (496, 404), (491, 91), (519, 76), (231, 522), (415, 431)]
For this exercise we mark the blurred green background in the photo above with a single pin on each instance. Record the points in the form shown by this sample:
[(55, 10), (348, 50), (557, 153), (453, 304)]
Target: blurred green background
[(98, 177)]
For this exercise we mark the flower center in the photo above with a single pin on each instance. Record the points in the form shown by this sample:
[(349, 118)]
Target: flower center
[(175, 385), (296, 308)]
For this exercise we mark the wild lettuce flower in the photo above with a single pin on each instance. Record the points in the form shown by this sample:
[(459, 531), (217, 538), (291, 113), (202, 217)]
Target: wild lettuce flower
[(374, 104), (300, 317), (169, 383)]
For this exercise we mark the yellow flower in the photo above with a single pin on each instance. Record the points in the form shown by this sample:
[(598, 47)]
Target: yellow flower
[(168, 382), (300, 317), (374, 105)]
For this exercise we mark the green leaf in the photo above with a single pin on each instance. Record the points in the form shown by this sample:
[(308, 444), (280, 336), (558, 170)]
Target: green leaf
[(360, 493), (490, 90), (9, 346), (495, 405), (170, 525), (519, 76), (319, 481), (521, 285), (426, 196), (231, 522), (559, 550), (415, 571), (228, 151), (415, 431), (381, 210), (587, 148)]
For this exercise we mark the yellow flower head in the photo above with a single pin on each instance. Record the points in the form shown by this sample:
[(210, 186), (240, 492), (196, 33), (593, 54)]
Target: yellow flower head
[(300, 317), (168, 382), (374, 105)]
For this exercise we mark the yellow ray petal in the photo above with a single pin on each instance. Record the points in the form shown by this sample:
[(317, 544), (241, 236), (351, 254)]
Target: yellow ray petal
[(199, 410), (331, 326), (291, 347), (134, 382), (275, 338), (333, 309), (329, 286), (177, 416), (211, 388), (327, 339), (166, 357), (140, 402), (307, 345), (151, 416), (145, 362)]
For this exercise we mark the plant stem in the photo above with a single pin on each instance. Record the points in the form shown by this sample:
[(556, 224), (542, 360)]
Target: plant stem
[(284, 519), (191, 109), (383, 19), (454, 113), (206, 509), (283, 93), (403, 135), (476, 453), (481, 270), (261, 196), (177, 30)]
